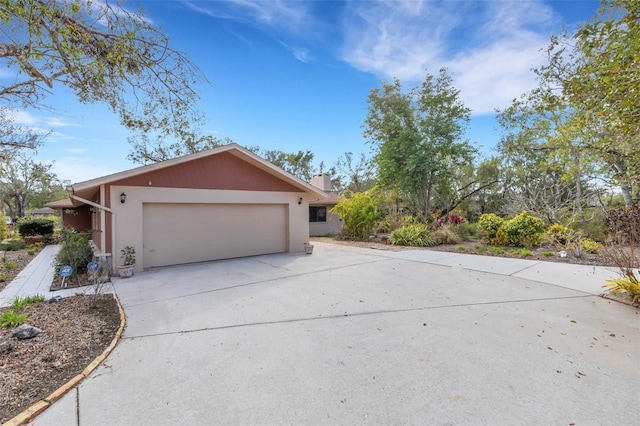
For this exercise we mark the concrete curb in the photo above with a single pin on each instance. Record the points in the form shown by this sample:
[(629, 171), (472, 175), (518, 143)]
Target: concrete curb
[(38, 407)]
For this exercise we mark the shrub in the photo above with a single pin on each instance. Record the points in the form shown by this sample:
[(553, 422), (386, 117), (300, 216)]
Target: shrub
[(12, 245), (629, 284), (559, 233), (524, 230), (3, 226), (359, 213), (489, 224), (590, 246), (467, 231), (393, 221), (31, 227), (498, 250), (456, 220), (446, 235), (412, 235), (19, 303), (11, 318), (500, 239), (75, 251)]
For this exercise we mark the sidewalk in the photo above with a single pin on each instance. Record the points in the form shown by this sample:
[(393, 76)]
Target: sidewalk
[(36, 279)]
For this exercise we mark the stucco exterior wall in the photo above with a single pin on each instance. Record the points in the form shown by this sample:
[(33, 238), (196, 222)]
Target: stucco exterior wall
[(331, 226), (127, 227)]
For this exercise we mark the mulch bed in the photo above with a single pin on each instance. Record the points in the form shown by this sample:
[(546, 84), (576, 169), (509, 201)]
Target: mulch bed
[(75, 331)]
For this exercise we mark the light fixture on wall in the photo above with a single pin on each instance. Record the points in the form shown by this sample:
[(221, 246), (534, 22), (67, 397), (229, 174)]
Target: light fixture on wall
[(300, 200), (123, 197)]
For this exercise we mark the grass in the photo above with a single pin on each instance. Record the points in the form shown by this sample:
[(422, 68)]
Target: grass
[(520, 252), (547, 253), (12, 319), (19, 303), (10, 265), (497, 250)]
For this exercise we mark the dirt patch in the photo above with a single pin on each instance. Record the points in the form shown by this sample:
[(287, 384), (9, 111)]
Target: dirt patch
[(75, 331)]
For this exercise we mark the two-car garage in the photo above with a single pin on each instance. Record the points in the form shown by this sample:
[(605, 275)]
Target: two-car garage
[(185, 233)]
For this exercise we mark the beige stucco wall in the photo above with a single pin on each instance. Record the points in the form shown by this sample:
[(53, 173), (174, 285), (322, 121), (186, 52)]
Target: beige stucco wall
[(331, 226), (128, 225)]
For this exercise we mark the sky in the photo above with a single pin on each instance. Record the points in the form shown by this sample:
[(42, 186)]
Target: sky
[(295, 75)]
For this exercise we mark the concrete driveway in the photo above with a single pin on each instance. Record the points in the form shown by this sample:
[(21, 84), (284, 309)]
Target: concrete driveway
[(361, 336)]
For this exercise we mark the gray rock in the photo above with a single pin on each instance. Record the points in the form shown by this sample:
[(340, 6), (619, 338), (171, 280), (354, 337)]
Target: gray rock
[(6, 346), (25, 331)]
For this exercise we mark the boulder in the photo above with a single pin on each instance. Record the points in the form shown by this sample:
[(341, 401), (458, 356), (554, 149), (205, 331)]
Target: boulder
[(25, 331), (6, 346)]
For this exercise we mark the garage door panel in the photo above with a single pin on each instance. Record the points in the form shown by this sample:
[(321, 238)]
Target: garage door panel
[(184, 233)]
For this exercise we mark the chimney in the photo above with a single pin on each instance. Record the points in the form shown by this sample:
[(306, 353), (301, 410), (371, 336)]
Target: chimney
[(322, 181)]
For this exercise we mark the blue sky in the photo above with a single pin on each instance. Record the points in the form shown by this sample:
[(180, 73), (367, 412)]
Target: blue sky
[(295, 75)]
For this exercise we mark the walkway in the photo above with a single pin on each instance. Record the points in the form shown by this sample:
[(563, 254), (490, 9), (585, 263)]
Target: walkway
[(36, 279)]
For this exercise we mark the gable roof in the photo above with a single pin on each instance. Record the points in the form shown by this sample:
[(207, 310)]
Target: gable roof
[(87, 188)]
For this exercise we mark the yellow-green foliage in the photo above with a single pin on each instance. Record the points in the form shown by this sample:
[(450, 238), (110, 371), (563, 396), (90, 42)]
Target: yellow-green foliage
[(559, 233), (489, 224), (524, 230), (500, 239), (359, 213), (625, 285), (590, 246), (412, 235), (3, 226)]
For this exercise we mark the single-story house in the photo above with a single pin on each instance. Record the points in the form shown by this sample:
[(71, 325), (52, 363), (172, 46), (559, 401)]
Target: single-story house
[(321, 220), (41, 212), (217, 204)]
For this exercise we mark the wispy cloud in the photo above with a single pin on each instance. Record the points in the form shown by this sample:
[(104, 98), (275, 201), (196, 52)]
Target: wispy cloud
[(489, 46), (288, 15), (300, 53)]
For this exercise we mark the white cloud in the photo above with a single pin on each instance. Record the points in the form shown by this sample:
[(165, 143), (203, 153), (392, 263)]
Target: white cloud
[(300, 53), (489, 46), (21, 117), (76, 150)]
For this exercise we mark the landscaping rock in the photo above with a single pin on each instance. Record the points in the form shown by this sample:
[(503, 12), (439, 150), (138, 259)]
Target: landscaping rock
[(25, 331), (6, 346)]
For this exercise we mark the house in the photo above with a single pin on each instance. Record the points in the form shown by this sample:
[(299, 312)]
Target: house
[(42, 212), (217, 204), (321, 220)]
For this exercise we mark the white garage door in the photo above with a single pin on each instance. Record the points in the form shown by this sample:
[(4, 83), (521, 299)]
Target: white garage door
[(184, 233)]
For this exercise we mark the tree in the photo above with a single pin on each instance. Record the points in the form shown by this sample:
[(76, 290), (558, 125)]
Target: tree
[(359, 174), (417, 138), (13, 137), (593, 78), (102, 52), (298, 163), (22, 181)]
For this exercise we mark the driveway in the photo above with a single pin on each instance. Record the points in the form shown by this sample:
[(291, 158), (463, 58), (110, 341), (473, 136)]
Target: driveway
[(353, 336)]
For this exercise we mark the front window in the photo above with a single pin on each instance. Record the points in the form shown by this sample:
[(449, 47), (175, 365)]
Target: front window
[(318, 214)]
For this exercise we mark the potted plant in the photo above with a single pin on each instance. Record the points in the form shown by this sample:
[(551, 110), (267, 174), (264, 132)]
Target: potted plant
[(128, 255)]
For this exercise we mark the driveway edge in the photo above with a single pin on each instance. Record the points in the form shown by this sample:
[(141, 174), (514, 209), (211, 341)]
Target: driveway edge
[(38, 407)]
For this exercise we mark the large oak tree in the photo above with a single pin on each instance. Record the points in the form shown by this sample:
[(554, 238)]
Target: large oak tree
[(102, 52)]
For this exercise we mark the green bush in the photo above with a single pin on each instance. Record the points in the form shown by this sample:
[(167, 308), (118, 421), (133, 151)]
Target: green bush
[(12, 245), (447, 235), (75, 251), (412, 235), (489, 224), (11, 318), (31, 227), (467, 231), (559, 233), (359, 213), (590, 246), (3, 226), (524, 230)]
